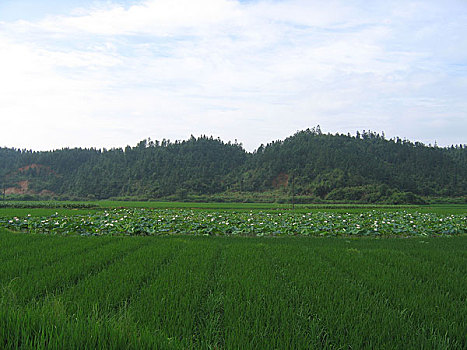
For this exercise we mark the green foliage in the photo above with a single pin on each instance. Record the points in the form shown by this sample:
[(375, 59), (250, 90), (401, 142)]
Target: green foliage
[(46, 204), (373, 194), (406, 198), (231, 293), (322, 163), (142, 222), (325, 167)]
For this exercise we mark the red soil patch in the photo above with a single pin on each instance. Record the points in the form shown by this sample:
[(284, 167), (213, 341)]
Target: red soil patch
[(22, 188)]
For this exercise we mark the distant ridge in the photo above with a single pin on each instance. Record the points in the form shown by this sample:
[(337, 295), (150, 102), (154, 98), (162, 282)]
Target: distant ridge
[(320, 167)]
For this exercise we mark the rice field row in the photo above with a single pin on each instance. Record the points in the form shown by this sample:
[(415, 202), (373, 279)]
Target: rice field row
[(182, 292)]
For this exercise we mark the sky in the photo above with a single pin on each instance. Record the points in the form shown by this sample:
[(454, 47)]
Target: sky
[(89, 73)]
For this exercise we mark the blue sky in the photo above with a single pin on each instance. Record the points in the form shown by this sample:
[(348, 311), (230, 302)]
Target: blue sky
[(111, 73), (12, 10)]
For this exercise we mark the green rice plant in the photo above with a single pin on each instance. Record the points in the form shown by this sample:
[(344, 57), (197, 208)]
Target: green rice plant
[(51, 278), (39, 254), (170, 305), (116, 286), (198, 292)]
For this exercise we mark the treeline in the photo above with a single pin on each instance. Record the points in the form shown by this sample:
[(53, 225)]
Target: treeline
[(366, 167)]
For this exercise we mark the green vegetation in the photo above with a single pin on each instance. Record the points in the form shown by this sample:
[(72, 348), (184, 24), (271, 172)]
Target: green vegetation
[(107, 204), (244, 223), (195, 282), (47, 204), (182, 292), (315, 167)]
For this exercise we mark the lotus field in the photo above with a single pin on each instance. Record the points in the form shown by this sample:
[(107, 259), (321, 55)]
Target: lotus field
[(209, 279), (249, 223)]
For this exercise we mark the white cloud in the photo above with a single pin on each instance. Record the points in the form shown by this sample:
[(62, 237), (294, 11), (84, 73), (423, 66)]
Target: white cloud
[(256, 71), (156, 17)]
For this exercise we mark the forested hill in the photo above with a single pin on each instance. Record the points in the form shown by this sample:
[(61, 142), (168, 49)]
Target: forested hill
[(365, 167)]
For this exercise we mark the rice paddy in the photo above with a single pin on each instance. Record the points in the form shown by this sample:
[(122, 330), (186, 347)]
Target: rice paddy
[(202, 285)]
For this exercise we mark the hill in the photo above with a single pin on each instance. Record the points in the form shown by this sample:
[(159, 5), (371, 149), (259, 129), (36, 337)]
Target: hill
[(316, 166)]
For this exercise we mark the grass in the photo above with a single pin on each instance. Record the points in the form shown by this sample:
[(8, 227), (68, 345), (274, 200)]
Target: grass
[(38, 212), (185, 292), (190, 292), (44, 208), (245, 206)]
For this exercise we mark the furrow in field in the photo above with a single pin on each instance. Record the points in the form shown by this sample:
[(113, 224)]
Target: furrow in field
[(455, 260), (41, 256), (115, 288), (411, 300), (168, 306), (208, 330), (259, 312), (234, 293), (340, 312), (353, 315), (13, 243), (173, 250), (435, 278), (308, 330), (26, 246), (69, 271)]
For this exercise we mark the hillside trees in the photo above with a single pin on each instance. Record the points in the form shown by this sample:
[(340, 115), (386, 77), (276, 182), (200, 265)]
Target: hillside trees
[(367, 167)]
